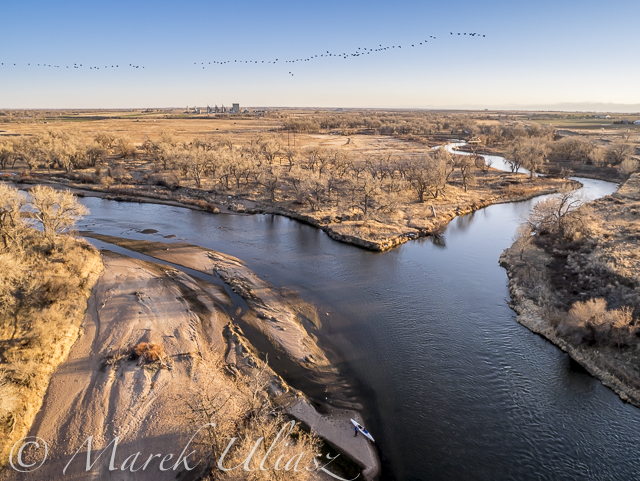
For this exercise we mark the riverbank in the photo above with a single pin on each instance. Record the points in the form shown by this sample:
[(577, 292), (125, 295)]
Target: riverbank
[(559, 166), (549, 278), (279, 316), (374, 232), (416, 222), (39, 326), (111, 385)]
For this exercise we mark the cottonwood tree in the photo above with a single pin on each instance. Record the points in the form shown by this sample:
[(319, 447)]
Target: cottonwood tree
[(6, 154), (270, 150), (420, 179), (314, 189), (13, 226), (430, 174), (197, 163), (528, 153), (442, 166), (515, 155), (619, 152), (161, 152), (552, 215), (342, 163), (291, 154), (94, 153), (311, 158), (466, 164), (535, 155), (270, 182), (57, 211), (68, 155), (367, 191)]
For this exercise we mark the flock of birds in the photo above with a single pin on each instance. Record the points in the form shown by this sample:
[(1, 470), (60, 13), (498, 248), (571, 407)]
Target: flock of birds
[(75, 65), (361, 51)]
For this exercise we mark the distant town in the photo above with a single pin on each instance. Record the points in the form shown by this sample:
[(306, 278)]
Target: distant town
[(235, 109)]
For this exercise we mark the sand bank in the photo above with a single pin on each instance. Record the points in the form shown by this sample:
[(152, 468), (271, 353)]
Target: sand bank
[(101, 392), (277, 315)]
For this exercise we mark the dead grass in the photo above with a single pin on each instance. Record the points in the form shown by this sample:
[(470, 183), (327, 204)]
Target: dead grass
[(149, 352), (250, 161), (586, 287), (50, 286)]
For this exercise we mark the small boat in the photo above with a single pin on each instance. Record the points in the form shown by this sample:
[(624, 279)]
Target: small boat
[(363, 430)]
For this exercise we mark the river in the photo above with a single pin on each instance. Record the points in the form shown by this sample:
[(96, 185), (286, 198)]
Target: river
[(452, 387)]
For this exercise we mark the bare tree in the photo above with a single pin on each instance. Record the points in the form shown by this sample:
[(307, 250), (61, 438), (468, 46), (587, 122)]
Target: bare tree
[(430, 174), (535, 155), (619, 152), (291, 154), (270, 182), (515, 155), (6, 154), (12, 225), (551, 215), (466, 164), (56, 211), (94, 154), (197, 163), (270, 149)]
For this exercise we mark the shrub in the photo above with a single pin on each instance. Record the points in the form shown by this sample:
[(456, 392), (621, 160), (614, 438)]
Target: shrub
[(628, 166), (149, 352), (590, 322), (168, 180)]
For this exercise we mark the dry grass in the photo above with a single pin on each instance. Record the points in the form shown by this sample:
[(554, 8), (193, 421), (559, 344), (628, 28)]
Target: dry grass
[(590, 322), (241, 407), (149, 352), (44, 287), (585, 283), (326, 167)]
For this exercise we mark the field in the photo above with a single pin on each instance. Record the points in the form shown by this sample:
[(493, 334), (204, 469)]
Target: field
[(370, 178)]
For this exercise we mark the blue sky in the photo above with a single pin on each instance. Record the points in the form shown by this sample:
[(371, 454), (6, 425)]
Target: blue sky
[(534, 54)]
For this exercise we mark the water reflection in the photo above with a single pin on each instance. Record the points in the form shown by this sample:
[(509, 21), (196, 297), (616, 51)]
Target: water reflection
[(452, 387), (439, 240)]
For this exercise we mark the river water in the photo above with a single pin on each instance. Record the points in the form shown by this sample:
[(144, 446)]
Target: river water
[(453, 388)]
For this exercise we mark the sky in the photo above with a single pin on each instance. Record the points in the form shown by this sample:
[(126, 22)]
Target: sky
[(572, 54)]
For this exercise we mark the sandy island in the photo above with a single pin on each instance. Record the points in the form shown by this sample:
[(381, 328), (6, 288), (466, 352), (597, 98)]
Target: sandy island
[(101, 391)]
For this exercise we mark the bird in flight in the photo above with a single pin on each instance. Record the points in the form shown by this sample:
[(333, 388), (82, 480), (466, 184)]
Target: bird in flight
[(346, 55)]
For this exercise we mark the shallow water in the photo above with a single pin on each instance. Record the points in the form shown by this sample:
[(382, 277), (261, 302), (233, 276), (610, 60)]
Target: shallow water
[(453, 387)]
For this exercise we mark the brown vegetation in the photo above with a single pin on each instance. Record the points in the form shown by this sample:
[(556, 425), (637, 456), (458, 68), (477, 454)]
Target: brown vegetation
[(575, 268), (45, 280), (149, 352), (378, 188), (241, 414)]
